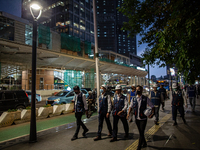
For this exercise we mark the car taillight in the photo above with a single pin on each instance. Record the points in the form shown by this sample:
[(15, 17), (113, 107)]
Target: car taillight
[(26, 94)]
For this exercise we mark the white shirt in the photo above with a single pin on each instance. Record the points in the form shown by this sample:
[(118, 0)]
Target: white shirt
[(109, 102), (139, 99), (83, 98)]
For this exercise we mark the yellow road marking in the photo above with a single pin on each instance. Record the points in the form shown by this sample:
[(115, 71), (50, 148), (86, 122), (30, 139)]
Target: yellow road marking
[(150, 132)]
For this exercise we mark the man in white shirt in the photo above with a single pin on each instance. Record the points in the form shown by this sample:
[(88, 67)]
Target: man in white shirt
[(139, 104), (80, 106)]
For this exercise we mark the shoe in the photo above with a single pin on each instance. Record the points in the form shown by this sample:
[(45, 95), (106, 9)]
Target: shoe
[(97, 138), (175, 123), (184, 121), (113, 139), (156, 122), (139, 148), (74, 138), (84, 132)]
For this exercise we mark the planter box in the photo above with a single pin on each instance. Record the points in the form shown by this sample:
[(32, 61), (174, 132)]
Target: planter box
[(43, 112), (70, 52), (86, 56), (75, 53), (7, 119), (58, 109), (26, 115), (63, 51), (68, 108)]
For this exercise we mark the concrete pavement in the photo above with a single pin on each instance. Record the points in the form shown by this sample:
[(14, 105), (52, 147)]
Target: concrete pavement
[(161, 137)]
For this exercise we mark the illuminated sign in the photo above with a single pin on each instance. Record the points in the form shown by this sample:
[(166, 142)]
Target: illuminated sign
[(172, 72), (139, 68)]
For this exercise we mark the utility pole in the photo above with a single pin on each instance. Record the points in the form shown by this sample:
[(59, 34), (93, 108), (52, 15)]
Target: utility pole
[(96, 48), (149, 78)]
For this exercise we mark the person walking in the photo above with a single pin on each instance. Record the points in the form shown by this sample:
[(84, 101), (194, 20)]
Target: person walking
[(157, 99), (139, 105), (177, 103), (80, 106), (119, 112), (164, 93), (191, 94), (131, 97), (105, 106)]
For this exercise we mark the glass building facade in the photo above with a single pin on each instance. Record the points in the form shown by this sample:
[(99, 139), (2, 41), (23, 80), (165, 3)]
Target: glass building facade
[(110, 22), (74, 17)]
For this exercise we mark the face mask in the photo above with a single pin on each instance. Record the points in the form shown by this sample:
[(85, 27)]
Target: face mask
[(138, 92), (76, 92), (101, 91)]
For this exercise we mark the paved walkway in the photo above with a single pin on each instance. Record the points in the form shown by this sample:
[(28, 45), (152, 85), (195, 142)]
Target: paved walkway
[(161, 137)]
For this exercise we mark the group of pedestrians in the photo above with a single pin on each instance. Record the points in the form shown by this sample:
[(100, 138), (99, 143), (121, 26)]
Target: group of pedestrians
[(137, 104)]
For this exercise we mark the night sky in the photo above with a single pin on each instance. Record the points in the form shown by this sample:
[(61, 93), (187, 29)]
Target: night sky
[(14, 7)]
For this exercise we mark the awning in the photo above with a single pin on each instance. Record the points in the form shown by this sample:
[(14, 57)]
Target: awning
[(17, 55)]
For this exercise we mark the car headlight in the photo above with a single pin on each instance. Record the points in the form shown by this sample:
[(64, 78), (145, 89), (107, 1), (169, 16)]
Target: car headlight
[(57, 100)]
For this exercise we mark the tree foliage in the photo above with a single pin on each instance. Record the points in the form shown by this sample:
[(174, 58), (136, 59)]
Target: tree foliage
[(172, 30)]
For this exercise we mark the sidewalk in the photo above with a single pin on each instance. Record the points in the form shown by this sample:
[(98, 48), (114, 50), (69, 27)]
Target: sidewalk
[(161, 137)]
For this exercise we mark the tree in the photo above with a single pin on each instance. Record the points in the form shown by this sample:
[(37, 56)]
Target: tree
[(172, 30)]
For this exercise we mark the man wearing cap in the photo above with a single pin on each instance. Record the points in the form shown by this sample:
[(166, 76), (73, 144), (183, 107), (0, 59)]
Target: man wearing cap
[(119, 112), (131, 97), (177, 103), (80, 106), (164, 93), (105, 106), (156, 98), (139, 105)]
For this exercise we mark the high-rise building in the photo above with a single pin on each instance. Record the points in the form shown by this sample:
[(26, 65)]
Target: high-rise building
[(74, 17), (109, 23)]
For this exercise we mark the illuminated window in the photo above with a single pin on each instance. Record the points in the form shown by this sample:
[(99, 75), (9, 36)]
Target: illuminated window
[(68, 22), (82, 27), (76, 25)]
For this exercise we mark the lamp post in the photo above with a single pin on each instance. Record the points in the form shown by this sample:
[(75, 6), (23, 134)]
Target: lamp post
[(96, 49), (34, 6)]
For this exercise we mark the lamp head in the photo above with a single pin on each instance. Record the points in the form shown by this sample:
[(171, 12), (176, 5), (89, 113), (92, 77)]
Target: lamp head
[(36, 10), (35, 6)]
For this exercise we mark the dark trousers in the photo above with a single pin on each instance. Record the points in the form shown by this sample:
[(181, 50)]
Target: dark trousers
[(157, 113), (141, 125), (102, 116), (79, 123), (115, 125), (174, 112)]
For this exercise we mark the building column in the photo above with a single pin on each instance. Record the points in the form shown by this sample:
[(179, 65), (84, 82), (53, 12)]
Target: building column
[(139, 81), (131, 83), (134, 80), (84, 79)]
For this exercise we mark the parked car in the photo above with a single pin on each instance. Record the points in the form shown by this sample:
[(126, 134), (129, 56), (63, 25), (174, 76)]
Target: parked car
[(13, 99), (64, 97), (38, 96)]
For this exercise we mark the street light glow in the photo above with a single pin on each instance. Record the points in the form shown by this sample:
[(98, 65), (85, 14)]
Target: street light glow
[(35, 6)]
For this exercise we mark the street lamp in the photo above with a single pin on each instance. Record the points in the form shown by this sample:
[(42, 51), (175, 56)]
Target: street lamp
[(36, 11)]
